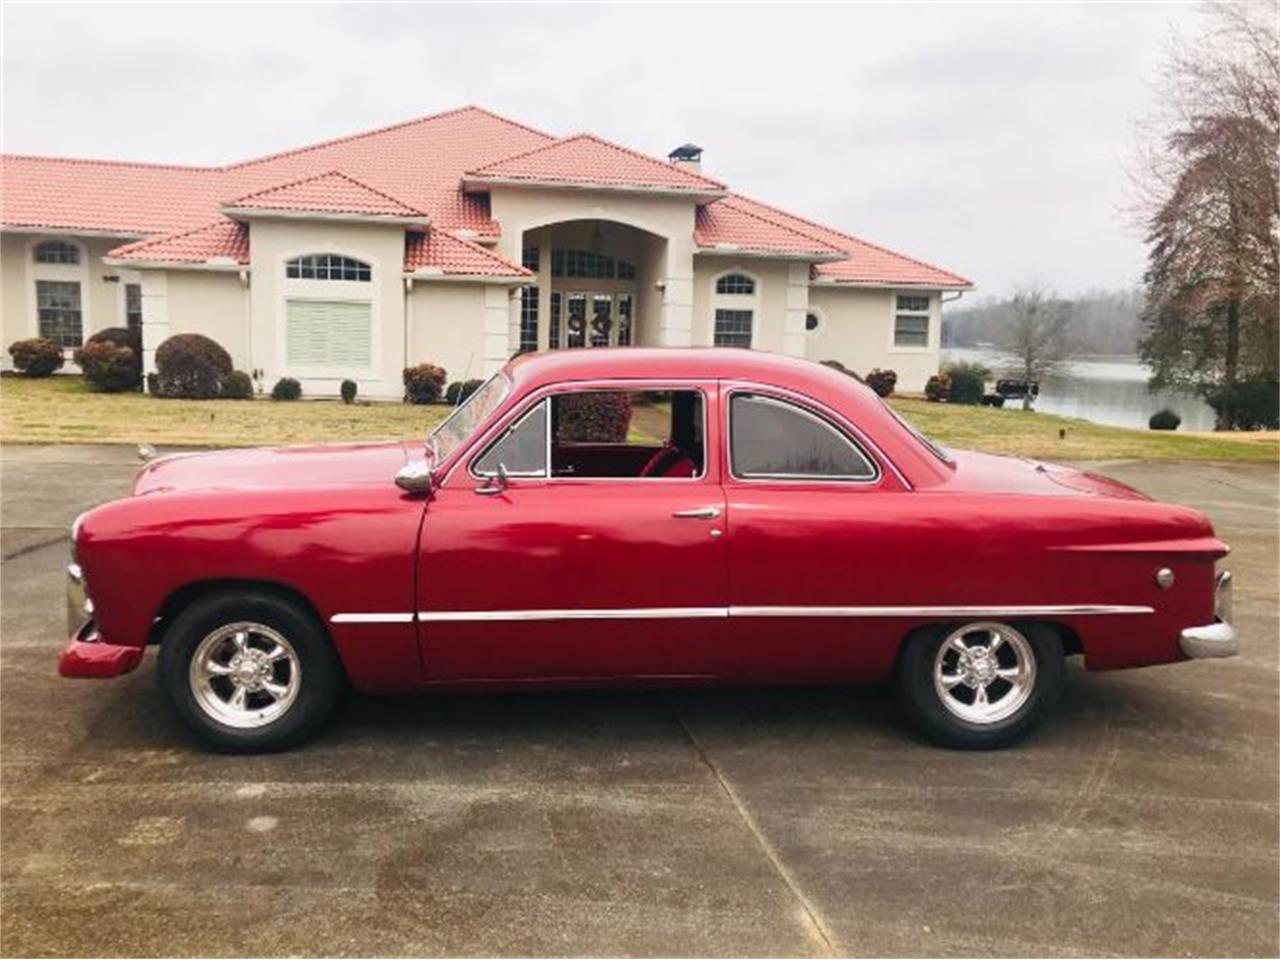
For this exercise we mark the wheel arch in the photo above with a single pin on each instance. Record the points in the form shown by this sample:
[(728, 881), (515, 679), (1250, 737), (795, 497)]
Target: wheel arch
[(188, 593), (1071, 642)]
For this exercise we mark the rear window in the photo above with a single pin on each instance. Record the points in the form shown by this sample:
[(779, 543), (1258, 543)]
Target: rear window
[(774, 439)]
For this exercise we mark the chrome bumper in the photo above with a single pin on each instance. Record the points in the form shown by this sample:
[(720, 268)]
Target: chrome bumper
[(79, 606), (1217, 639)]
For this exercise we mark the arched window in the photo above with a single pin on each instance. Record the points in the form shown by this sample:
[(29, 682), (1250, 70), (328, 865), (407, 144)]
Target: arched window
[(328, 266), (57, 251), (736, 283)]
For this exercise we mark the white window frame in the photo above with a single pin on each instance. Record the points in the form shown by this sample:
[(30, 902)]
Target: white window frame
[(932, 322), (735, 301), (59, 273), (370, 292)]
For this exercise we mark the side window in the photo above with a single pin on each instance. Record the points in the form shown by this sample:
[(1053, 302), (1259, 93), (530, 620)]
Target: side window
[(773, 439), (637, 434), (521, 450)]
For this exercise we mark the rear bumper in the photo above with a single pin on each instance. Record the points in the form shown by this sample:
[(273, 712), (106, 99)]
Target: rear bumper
[(86, 654), (1217, 639)]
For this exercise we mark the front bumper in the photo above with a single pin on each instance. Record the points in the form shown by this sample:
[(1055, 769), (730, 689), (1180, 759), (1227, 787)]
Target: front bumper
[(86, 653), (1217, 639)]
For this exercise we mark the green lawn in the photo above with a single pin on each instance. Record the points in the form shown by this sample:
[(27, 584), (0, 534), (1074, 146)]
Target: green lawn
[(62, 410)]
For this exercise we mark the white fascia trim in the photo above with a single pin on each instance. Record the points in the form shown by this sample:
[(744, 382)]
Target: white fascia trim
[(730, 250), (217, 266), (77, 232), (881, 285), (252, 213), (479, 184), (510, 279)]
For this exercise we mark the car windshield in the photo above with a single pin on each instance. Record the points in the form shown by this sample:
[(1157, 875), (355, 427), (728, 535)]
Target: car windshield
[(458, 427), (938, 451)]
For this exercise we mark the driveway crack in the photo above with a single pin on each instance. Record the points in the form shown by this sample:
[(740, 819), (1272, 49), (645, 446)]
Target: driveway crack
[(817, 929)]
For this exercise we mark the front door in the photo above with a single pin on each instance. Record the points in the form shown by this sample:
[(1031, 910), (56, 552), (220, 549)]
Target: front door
[(599, 555), (592, 318)]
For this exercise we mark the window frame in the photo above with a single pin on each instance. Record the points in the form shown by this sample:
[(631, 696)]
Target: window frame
[(75, 248), (736, 275), (78, 310), (805, 408), (715, 328), (899, 312), (345, 259), (511, 425), (330, 370), (546, 394)]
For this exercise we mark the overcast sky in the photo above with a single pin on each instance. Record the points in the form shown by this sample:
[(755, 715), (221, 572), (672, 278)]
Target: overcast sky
[(990, 139)]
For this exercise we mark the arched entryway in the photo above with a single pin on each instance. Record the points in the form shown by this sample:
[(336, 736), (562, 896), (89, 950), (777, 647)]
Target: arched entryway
[(597, 286)]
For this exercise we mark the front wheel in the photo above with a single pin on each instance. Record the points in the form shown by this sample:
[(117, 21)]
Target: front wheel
[(980, 685), (249, 671)]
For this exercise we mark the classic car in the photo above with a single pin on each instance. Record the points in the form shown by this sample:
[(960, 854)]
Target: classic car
[(641, 517)]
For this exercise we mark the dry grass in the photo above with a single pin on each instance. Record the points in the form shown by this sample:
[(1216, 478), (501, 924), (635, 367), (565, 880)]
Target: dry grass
[(61, 410)]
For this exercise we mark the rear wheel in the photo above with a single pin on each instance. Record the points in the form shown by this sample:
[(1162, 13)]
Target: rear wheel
[(980, 685), (249, 671)]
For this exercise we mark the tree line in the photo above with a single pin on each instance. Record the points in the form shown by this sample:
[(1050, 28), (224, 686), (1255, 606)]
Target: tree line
[(1097, 322)]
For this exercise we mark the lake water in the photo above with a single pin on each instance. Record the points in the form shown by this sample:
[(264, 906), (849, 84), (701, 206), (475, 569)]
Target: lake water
[(1110, 390)]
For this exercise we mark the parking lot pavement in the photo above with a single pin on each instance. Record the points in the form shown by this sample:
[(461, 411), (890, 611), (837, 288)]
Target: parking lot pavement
[(1142, 820)]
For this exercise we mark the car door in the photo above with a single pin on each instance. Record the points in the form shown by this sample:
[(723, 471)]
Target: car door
[(809, 506), (546, 574)]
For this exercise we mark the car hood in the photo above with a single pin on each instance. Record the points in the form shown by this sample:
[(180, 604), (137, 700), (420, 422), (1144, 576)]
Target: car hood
[(988, 473), (274, 467)]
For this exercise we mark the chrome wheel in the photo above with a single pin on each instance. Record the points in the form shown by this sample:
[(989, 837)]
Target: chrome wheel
[(984, 672), (245, 675)]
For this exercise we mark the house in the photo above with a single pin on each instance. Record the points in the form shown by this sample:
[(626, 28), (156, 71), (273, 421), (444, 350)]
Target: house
[(458, 238)]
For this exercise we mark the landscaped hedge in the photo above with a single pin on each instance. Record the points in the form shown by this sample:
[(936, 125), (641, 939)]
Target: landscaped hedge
[(937, 388), (593, 417), (111, 360), (237, 386), (192, 366), (286, 388), (424, 383), (348, 391), (1249, 404), (882, 381), (459, 390), (36, 357), (968, 382), (1164, 419)]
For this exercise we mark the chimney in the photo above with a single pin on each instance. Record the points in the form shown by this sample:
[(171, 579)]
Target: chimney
[(687, 156)]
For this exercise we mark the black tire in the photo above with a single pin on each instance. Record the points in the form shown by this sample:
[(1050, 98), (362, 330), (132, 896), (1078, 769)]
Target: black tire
[(319, 673), (924, 705)]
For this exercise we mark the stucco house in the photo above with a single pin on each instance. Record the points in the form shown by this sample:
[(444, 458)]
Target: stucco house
[(458, 238)]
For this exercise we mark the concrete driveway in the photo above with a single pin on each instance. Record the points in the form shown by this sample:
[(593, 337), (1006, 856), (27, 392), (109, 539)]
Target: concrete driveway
[(1143, 820)]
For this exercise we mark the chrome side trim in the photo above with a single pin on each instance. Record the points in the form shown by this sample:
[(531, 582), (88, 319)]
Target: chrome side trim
[(371, 618), (629, 613), (690, 613), (1011, 611)]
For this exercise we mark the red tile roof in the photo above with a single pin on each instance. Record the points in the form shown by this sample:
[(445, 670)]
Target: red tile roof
[(419, 166), (221, 240), (584, 159), (867, 263), (452, 255), (332, 192)]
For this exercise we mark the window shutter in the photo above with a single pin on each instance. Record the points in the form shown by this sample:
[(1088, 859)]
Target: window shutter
[(328, 333)]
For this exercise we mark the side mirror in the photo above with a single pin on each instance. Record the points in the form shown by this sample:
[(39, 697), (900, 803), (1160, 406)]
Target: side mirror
[(495, 484), (414, 477)]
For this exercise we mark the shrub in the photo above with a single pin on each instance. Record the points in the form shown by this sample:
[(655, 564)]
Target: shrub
[(937, 388), (881, 381), (36, 357), (1164, 419), (237, 386), (1249, 404), (109, 367), (968, 382), (424, 383), (593, 417), (153, 384), (348, 390), (459, 390), (286, 388), (192, 366)]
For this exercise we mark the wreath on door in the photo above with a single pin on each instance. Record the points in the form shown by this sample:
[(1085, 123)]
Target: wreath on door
[(601, 326), (576, 325)]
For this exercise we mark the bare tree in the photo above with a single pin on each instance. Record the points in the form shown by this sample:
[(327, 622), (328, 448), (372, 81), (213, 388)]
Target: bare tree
[(1035, 334), (1208, 194)]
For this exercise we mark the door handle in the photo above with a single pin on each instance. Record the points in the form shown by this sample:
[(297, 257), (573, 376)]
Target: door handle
[(698, 513)]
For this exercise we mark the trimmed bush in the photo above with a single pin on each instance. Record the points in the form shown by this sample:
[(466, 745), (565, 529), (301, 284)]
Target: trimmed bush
[(968, 382), (191, 366), (348, 391), (593, 417), (937, 388), (111, 360), (36, 357), (1249, 404), (424, 383), (459, 390), (286, 388), (881, 381), (237, 386), (1164, 419)]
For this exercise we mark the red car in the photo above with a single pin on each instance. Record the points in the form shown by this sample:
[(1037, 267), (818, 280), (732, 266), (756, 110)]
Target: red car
[(637, 516)]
